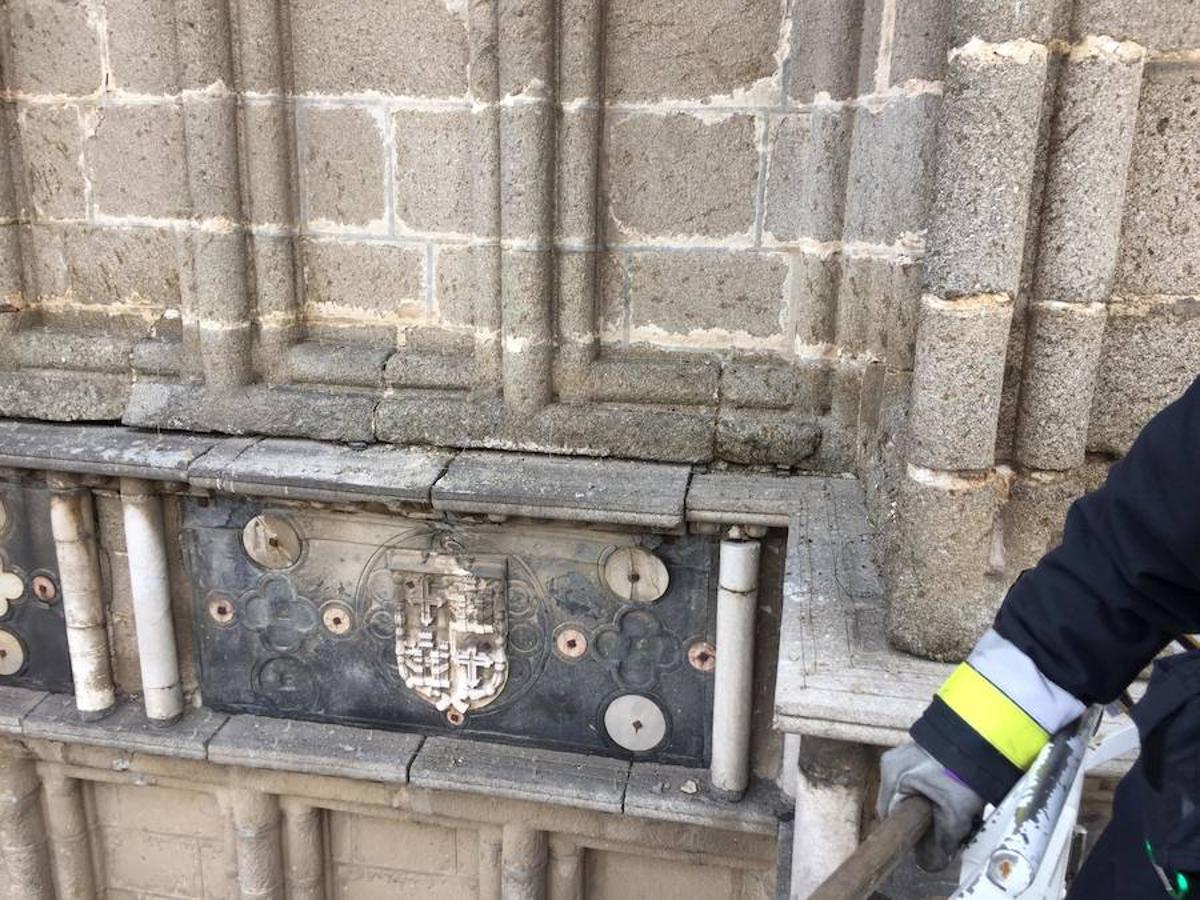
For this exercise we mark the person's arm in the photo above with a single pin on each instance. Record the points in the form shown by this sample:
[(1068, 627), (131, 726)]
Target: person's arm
[(1078, 627)]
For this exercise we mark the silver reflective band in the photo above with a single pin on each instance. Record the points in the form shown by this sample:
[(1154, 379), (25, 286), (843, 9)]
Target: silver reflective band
[(1007, 667)]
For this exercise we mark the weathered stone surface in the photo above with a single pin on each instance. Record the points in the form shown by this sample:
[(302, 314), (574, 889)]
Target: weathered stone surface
[(681, 175), (700, 297), (71, 348), (653, 52), (141, 46), (634, 377), (65, 396), (15, 704), (350, 47), (136, 159), (1161, 246), (104, 450), (678, 794), (827, 41), (357, 364), (1033, 518), (763, 438), (806, 181), (591, 490), (409, 368), (920, 40), (1151, 354), (1058, 380), (1174, 25), (942, 596), (341, 163), (319, 749), (1000, 20), (986, 154), (323, 415), (1085, 182), (127, 728), (266, 137), (759, 382), (957, 379), (891, 169), (455, 284), (520, 773), (433, 178), (1120, 19), (52, 144), (314, 471), (138, 266), (878, 306), (54, 48), (364, 278), (749, 499)]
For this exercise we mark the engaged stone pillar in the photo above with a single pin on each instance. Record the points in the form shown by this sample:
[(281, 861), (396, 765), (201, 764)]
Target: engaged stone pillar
[(305, 851), (491, 866), (830, 793), (944, 594), (524, 863), (22, 831), (68, 828), (259, 855)]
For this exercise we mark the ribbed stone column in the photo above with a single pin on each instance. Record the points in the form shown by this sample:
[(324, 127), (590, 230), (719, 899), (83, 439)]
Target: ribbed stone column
[(220, 298), (68, 827), (565, 875), (944, 594), (524, 863), (305, 851), (256, 829)]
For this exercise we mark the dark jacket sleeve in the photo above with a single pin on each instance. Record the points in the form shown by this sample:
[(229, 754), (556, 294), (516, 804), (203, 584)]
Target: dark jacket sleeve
[(1080, 625), (1126, 579)]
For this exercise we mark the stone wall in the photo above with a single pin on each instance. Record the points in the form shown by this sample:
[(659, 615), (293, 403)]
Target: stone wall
[(747, 231)]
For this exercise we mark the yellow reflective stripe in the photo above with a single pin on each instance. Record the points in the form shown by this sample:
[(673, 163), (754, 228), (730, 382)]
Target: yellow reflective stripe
[(989, 712)]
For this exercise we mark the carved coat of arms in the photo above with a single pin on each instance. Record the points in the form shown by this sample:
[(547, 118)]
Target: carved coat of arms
[(451, 626)]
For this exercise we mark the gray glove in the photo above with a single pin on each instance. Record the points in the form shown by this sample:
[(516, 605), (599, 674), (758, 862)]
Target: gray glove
[(908, 771)]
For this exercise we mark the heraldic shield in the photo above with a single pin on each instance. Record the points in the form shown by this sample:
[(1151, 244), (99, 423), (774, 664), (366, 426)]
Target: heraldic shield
[(451, 626)]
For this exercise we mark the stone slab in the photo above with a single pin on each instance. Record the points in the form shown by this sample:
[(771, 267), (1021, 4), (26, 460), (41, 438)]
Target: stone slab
[(585, 490), (318, 749), (837, 677), (15, 704), (309, 470), (101, 450), (127, 728), (521, 773), (680, 794), (749, 499)]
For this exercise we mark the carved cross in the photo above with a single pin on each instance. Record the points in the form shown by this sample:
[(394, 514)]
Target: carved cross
[(473, 661)]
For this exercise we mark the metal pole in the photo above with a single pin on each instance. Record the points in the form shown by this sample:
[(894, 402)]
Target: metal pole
[(71, 522), (149, 585), (733, 700)]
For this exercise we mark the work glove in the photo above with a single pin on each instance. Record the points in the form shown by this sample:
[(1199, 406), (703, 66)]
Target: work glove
[(909, 771)]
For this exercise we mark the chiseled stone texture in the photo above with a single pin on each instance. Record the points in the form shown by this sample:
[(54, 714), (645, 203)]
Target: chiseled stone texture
[(806, 175), (920, 40), (124, 265), (141, 46), (433, 170), (891, 169), (410, 47), (681, 175), (1161, 243), (1151, 354), (1004, 20), (53, 47), (688, 294), (1175, 25), (826, 47), (656, 49), (1033, 518), (878, 305), (52, 143), (342, 166), (136, 158), (367, 279)]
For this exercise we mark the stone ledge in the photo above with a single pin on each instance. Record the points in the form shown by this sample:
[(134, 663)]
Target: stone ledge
[(314, 748), (15, 704), (679, 794), (736, 499), (311, 470), (579, 489), (521, 773), (127, 728), (104, 450)]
